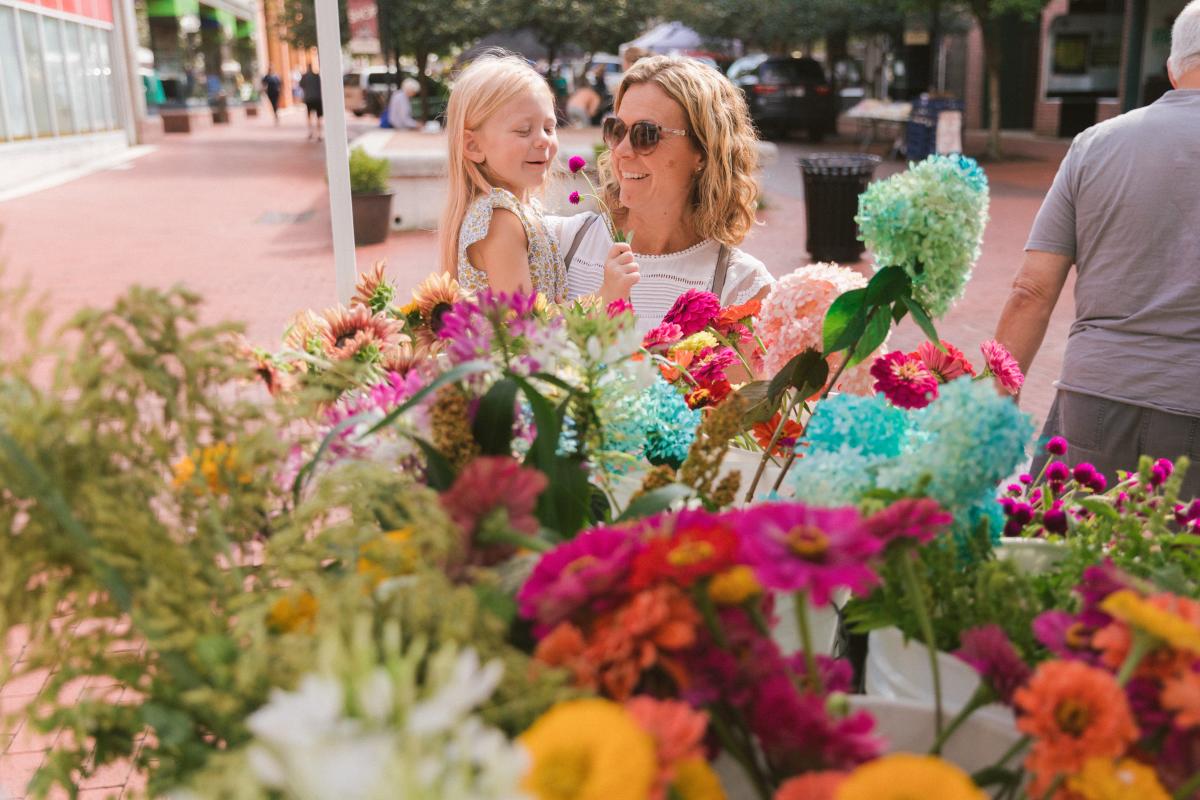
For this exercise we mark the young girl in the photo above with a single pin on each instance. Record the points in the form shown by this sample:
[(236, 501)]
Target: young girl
[(503, 141)]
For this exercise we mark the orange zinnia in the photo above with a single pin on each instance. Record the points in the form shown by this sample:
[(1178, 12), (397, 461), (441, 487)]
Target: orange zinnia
[(682, 360), (1073, 712), (764, 431), (1114, 641), (1181, 694)]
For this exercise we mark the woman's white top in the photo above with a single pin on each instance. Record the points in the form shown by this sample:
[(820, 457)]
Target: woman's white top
[(663, 277)]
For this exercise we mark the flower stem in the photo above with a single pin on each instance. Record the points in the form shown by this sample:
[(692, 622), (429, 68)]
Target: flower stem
[(800, 602), (770, 448), (983, 695), (913, 585), (1055, 786), (783, 472), (710, 618), (745, 759), (1138, 650), (1187, 788)]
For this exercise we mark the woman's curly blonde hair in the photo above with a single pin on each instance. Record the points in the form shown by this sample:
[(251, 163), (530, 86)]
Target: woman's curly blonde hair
[(725, 193)]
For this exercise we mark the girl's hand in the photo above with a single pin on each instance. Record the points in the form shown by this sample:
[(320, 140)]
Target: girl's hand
[(620, 274)]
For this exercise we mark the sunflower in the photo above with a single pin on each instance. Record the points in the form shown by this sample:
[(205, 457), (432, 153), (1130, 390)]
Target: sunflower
[(374, 290), (405, 356), (435, 295), (903, 776), (306, 333), (357, 333), (589, 750), (1104, 779)]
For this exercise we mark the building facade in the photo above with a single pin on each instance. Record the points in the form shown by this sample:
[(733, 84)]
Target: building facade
[(65, 94)]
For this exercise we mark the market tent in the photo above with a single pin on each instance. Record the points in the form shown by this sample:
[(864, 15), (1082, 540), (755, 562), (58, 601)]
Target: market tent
[(667, 37)]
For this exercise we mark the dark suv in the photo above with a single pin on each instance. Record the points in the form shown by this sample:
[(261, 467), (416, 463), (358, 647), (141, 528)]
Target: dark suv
[(786, 93)]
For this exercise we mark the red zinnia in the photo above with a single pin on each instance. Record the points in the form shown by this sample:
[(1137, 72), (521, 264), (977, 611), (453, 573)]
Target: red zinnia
[(904, 380), (698, 546)]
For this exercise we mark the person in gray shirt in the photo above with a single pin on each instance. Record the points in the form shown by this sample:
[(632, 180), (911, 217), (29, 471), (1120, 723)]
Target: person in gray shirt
[(1124, 209)]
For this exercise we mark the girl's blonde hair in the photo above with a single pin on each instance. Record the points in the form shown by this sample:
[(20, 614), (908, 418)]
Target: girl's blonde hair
[(493, 79), (725, 193)]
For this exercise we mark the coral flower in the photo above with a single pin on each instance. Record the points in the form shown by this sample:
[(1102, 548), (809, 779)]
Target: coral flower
[(700, 545), (694, 311), (904, 380), (1000, 363), (793, 547), (903, 776), (662, 337), (677, 731), (355, 332), (373, 289), (435, 295), (811, 786), (680, 361), (1181, 695), (1073, 712), (917, 519), (1104, 779), (786, 443), (588, 750), (945, 366), (989, 652)]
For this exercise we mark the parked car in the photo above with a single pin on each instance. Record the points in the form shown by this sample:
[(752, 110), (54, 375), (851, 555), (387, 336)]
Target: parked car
[(786, 93), (368, 90)]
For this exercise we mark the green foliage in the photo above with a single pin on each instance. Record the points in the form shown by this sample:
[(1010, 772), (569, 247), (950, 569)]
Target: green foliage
[(368, 175), (593, 25), (299, 19)]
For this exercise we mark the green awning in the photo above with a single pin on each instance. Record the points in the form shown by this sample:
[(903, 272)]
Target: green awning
[(245, 29), (172, 8)]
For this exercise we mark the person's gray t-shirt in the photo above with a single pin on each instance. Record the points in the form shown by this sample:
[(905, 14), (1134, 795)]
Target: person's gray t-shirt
[(1125, 205)]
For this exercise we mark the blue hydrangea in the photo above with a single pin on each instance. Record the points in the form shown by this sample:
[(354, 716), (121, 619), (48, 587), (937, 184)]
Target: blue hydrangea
[(928, 220), (867, 425), (668, 426), (833, 477)]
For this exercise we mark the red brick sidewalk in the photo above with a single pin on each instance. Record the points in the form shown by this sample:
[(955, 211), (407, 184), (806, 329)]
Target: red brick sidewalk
[(240, 214)]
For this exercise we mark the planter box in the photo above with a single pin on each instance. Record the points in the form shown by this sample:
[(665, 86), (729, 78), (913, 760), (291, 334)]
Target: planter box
[(372, 217), (899, 670), (177, 120), (251, 109), (1034, 556)]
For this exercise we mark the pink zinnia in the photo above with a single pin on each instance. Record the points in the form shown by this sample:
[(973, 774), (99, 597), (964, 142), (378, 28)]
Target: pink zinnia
[(989, 652), (589, 570), (489, 483), (1001, 364), (945, 366), (694, 311), (904, 380), (710, 364), (919, 519), (662, 337), (618, 307), (792, 547)]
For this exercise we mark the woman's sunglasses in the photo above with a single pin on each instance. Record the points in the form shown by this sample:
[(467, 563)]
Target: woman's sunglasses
[(644, 135)]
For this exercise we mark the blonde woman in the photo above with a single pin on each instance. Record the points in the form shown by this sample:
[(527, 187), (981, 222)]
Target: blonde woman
[(678, 176)]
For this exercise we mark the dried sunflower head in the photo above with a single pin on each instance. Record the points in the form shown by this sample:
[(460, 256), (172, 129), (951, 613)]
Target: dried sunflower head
[(357, 333), (374, 290)]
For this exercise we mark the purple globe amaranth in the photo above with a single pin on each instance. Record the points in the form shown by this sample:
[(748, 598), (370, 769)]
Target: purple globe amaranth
[(1057, 472), (1084, 472), (574, 198), (1057, 446), (1055, 520), (576, 163)]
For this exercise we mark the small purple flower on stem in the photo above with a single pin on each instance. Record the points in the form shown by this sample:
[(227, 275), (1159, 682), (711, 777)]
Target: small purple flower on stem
[(1057, 446), (1057, 472), (1084, 473), (988, 651), (1161, 470), (1025, 478), (1098, 483), (574, 198), (1022, 513), (576, 163), (1055, 520)]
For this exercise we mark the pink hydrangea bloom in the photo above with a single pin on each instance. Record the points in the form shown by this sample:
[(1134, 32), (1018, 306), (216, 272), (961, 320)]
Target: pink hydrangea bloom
[(662, 337), (904, 380), (575, 574), (1001, 364), (694, 311), (792, 319), (945, 366), (794, 547)]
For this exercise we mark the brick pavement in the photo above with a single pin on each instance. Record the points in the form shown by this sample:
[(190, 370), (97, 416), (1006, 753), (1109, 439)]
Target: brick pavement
[(239, 213)]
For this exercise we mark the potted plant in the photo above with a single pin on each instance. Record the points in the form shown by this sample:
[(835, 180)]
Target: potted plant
[(370, 197)]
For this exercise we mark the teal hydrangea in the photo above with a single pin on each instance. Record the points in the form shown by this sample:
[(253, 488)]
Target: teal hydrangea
[(655, 424), (928, 220), (868, 425)]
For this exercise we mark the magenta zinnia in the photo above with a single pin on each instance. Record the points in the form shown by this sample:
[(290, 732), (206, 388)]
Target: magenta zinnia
[(904, 380), (694, 311), (793, 547), (918, 519), (662, 337), (989, 652), (1001, 364)]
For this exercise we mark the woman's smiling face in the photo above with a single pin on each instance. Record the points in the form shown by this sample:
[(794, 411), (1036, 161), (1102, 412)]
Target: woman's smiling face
[(663, 179)]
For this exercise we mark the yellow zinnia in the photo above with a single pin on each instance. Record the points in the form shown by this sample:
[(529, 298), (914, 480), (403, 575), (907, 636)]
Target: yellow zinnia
[(908, 777), (1103, 779), (1140, 613), (696, 780), (734, 586), (589, 750), (696, 342)]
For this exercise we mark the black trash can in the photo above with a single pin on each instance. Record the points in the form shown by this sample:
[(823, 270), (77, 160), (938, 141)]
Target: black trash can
[(832, 184)]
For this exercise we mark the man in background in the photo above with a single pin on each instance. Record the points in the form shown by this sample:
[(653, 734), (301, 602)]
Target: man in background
[(310, 85)]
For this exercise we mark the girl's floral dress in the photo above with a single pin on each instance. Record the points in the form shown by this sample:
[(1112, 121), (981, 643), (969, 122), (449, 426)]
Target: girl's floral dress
[(546, 269)]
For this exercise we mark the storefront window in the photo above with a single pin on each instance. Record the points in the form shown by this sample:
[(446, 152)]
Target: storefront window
[(106, 80), (56, 74), (97, 70), (36, 70), (75, 74), (13, 76)]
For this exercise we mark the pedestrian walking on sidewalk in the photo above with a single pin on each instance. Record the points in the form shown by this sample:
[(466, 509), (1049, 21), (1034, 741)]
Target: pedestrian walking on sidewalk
[(272, 85), (310, 85), (1125, 211)]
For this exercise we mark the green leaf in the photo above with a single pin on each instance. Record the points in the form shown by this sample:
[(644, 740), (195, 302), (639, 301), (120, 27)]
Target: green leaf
[(1100, 508), (994, 775), (565, 506), (759, 405), (878, 326), (655, 501), (493, 426), (845, 320), (887, 286), (807, 372), (543, 453), (921, 317), (439, 475), (899, 310), (171, 726), (501, 604)]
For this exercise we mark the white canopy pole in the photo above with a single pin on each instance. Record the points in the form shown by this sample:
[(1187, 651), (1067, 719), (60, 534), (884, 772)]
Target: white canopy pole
[(337, 167)]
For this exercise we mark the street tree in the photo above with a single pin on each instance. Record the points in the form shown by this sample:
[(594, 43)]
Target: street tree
[(772, 26), (593, 25), (299, 20)]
